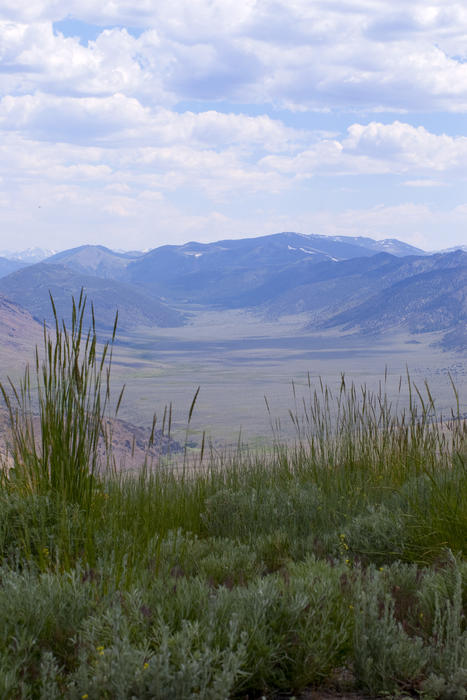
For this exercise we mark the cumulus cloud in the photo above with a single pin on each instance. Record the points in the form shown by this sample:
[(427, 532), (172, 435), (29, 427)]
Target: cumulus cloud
[(407, 147), (212, 146), (33, 58), (122, 120), (68, 119), (364, 55), (378, 148)]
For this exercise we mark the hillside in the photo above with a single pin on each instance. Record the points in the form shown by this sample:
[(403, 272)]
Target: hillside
[(308, 287), (17, 327), (7, 266), (335, 286), (30, 287), (427, 300)]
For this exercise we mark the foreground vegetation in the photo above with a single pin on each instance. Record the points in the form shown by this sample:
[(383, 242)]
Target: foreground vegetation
[(336, 563)]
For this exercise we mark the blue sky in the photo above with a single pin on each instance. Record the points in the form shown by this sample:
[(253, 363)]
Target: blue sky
[(139, 123)]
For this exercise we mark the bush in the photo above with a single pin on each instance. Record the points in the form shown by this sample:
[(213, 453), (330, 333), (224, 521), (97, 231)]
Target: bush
[(385, 658)]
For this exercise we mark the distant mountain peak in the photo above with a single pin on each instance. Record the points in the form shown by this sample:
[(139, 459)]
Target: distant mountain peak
[(454, 249), (30, 255)]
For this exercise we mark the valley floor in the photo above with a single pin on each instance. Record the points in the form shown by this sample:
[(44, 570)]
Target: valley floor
[(238, 359)]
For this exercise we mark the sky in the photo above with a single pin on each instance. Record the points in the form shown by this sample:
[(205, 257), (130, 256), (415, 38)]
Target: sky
[(137, 123)]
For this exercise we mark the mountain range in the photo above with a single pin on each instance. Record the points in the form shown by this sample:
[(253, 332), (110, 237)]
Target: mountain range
[(348, 283), (218, 273)]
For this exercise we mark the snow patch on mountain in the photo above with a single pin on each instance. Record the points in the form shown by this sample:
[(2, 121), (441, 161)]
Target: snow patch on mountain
[(30, 255)]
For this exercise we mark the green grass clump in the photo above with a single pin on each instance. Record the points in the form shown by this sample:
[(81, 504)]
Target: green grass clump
[(338, 562), (71, 393)]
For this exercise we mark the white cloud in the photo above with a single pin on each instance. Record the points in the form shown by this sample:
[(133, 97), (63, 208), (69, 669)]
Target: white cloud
[(177, 17), (119, 120), (124, 149), (407, 147), (363, 55), (378, 148), (96, 129), (424, 183), (35, 58), (68, 119)]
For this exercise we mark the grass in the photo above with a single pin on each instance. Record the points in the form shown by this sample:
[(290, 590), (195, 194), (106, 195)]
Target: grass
[(339, 562)]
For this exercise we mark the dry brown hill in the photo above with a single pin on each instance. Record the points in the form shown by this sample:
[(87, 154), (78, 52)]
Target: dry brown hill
[(17, 327)]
